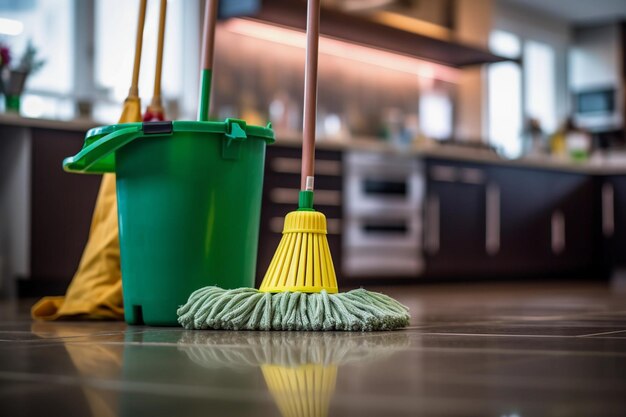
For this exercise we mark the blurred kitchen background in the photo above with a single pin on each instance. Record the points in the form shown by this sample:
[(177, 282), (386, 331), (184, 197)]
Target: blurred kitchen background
[(458, 139)]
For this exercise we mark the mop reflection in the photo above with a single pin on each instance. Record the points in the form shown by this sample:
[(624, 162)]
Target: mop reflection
[(300, 369), (131, 371)]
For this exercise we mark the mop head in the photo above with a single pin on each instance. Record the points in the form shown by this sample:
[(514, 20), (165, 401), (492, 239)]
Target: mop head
[(251, 309), (299, 292)]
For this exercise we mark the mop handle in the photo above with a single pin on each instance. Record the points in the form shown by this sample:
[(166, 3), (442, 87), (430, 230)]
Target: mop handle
[(134, 86), (156, 97), (310, 95), (208, 41)]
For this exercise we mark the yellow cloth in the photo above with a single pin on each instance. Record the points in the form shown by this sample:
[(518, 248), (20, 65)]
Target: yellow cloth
[(96, 289)]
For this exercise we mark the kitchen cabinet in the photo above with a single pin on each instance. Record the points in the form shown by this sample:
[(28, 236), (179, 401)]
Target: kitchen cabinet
[(612, 197), (494, 220), (280, 196), (379, 31), (455, 219), (56, 207), (546, 221)]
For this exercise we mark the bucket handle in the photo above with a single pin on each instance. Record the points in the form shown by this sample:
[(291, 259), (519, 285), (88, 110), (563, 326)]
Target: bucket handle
[(100, 149)]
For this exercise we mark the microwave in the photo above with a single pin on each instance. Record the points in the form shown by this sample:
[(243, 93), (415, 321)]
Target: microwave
[(597, 109)]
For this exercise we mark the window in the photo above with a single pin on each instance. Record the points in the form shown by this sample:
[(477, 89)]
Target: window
[(49, 26), (113, 64), (517, 94), (540, 85), (505, 95)]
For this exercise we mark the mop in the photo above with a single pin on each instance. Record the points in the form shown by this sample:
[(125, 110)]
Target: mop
[(299, 290), (96, 289)]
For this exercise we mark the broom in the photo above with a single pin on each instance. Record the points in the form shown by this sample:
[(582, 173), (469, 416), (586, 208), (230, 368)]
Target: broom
[(95, 292), (132, 105), (154, 111), (299, 290)]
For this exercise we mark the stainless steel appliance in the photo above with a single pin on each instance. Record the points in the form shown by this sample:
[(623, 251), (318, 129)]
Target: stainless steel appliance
[(382, 215)]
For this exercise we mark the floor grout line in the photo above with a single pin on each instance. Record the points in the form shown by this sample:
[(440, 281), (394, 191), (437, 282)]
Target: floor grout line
[(602, 333)]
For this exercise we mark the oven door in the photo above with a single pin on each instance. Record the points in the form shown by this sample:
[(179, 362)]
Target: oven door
[(382, 247)]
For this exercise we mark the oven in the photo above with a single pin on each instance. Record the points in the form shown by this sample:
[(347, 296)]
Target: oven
[(382, 215)]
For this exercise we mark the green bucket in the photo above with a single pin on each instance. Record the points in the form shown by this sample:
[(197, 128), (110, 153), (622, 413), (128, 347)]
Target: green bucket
[(189, 202)]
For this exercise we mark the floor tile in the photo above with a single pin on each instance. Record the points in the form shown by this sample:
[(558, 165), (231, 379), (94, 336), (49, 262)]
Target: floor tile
[(488, 349)]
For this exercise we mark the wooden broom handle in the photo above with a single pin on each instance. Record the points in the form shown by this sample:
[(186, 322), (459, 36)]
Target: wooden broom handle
[(159, 62), (208, 36), (134, 86), (310, 92)]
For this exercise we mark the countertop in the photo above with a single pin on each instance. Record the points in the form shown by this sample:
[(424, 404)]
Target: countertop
[(426, 150)]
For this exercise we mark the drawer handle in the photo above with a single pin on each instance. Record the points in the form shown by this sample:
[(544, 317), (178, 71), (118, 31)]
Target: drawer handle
[(293, 166), (290, 196)]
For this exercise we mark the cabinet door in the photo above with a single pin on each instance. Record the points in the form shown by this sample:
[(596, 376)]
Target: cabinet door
[(455, 220), (61, 208), (546, 221), (613, 219)]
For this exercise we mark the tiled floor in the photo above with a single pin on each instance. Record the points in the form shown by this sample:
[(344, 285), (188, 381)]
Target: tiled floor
[(555, 349)]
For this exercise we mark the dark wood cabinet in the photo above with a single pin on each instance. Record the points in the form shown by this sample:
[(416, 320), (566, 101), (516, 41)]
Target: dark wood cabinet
[(280, 196), (612, 203), (61, 209), (546, 220), (455, 219), (494, 220)]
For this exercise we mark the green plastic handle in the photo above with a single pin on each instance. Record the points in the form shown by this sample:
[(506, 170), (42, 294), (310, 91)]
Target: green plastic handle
[(100, 149)]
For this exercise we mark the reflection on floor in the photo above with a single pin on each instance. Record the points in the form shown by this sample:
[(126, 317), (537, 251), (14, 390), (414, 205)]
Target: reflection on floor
[(485, 349)]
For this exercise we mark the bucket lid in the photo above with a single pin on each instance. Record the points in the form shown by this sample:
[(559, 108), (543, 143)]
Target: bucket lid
[(98, 153)]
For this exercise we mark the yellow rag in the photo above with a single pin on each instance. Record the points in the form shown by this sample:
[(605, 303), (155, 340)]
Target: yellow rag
[(96, 289)]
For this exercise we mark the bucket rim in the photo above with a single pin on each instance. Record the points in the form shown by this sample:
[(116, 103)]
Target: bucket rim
[(264, 132), (97, 155)]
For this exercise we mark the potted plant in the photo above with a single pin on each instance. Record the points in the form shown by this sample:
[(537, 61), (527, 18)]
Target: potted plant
[(14, 79)]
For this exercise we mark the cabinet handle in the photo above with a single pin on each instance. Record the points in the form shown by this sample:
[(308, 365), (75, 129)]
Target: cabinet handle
[(492, 221), (608, 210), (443, 173), (432, 225), (558, 232), (472, 176)]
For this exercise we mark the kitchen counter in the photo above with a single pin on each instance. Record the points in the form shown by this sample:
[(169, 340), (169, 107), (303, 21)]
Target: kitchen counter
[(461, 153), (372, 144)]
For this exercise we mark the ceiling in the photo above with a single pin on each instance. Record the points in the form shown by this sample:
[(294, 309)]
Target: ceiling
[(578, 11)]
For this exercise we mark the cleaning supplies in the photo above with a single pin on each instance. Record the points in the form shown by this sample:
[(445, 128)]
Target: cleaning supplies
[(189, 201), (299, 291), (96, 289)]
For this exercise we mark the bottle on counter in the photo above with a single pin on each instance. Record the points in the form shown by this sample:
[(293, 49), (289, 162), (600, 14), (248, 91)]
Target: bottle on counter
[(534, 139), (571, 141)]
